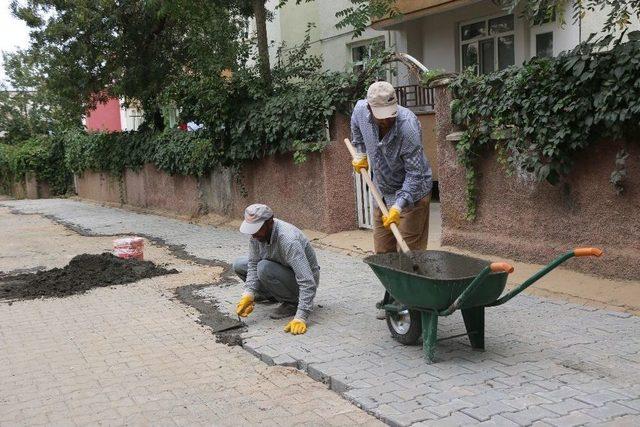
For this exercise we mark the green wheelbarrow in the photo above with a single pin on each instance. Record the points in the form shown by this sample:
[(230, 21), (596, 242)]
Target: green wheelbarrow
[(450, 282)]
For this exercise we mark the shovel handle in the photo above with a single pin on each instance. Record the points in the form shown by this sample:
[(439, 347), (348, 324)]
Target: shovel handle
[(378, 198)]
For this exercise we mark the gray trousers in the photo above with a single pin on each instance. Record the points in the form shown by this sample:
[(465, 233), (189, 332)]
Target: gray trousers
[(275, 279)]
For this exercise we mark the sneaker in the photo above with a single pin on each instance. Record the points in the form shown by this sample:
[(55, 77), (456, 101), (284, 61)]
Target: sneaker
[(381, 314), (285, 309)]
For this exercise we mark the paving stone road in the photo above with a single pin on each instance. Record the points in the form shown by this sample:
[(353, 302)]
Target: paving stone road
[(547, 362), (132, 355)]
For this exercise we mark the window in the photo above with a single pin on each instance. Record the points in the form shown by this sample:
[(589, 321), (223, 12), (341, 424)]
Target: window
[(488, 45), (544, 45), (361, 54)]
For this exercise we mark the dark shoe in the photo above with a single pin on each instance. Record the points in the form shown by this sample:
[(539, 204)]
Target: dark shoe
[(264, 298), (284, 310)]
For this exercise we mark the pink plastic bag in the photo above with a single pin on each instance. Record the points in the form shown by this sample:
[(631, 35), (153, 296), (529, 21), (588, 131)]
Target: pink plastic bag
[(129, 248)]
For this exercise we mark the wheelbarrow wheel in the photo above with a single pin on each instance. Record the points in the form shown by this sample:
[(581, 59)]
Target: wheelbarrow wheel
[(405, 326)]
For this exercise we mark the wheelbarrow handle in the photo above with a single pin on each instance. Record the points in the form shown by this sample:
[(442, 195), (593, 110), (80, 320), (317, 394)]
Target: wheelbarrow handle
[(501, 266), (587, 252), (495, 267), (552, 265)]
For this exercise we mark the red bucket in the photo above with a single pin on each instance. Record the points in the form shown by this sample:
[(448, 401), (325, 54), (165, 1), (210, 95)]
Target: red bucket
[(129, 248)]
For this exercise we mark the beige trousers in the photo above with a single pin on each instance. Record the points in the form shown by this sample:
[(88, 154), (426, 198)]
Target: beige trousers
[(414, 227)]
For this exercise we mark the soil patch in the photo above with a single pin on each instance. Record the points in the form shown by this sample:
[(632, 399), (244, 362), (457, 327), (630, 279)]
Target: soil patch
[(84, 272)]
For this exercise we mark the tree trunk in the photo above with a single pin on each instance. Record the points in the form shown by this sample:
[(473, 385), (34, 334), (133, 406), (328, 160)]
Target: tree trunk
[(260, 15), (158, 120)]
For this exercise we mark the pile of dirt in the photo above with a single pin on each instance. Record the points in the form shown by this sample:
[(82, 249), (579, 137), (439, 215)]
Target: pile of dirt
[(83, 272)]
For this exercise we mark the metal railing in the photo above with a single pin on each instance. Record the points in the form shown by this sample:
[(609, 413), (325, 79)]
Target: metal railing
[(364, 202), (415, 96)]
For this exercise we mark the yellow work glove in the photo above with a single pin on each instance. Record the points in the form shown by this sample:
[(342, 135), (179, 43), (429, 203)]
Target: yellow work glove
[(245, 306), (392, 218), (360, 162), (296, 327)]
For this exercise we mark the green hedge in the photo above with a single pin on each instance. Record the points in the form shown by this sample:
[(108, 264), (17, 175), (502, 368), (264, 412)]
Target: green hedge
[(43, 156), (172, 151), (7, 168)]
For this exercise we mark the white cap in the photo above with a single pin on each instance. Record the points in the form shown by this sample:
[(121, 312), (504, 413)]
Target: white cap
[(254, 216), (382, 99)]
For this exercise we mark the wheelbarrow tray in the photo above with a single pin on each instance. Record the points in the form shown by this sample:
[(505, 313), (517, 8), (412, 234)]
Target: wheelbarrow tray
[(446, 276)]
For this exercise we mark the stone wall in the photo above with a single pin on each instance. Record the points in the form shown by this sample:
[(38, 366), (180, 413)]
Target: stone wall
[(317, 194), (100, 187), (429, 141), (151, 188), (30, 188), (522, 219)]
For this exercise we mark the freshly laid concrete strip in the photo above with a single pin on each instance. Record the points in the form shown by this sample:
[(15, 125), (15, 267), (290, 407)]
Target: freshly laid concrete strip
[(546, 360)]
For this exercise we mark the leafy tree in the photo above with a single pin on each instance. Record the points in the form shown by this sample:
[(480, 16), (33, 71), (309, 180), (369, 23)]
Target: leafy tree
[(26, 110), (92, 50), (362, 12)]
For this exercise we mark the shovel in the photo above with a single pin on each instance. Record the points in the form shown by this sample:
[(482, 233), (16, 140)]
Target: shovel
[(405, 251)]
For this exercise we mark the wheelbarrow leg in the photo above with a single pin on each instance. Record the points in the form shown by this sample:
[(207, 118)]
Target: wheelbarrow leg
[(429, 334), (474, 322)]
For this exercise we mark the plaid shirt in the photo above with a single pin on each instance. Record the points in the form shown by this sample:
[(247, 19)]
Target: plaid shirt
[(289, 247), (400, 168)]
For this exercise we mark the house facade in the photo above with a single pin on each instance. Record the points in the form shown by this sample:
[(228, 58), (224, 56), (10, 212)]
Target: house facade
[(454, 35), (113, 116), (338, 48)]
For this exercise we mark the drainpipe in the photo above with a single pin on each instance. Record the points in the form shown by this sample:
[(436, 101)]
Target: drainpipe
[(395, 49), (579, 29)]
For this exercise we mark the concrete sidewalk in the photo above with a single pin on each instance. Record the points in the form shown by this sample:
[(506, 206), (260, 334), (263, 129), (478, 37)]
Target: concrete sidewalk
[(547, 361)]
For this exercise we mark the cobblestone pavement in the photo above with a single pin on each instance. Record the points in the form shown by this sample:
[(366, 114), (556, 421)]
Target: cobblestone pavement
[(131, 355), (547, 362)]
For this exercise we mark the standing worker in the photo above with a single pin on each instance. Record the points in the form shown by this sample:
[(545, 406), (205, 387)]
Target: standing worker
[(390, 137), (281, 266)]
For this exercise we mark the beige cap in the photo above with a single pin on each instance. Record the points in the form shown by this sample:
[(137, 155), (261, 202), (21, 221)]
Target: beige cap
[(254, 216), (382, 99)]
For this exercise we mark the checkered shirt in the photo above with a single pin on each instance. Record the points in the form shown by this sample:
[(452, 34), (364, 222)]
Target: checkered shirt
[(400, 168), (289, 247)]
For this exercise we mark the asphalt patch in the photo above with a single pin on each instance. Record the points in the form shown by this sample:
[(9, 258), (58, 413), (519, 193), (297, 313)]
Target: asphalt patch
[(84, 272)]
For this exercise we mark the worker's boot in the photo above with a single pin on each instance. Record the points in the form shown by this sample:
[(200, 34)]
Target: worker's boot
[(285, 309), (259, 297)]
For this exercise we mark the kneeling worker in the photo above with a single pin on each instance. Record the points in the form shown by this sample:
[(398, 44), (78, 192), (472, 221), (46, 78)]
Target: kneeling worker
[(281, 266)]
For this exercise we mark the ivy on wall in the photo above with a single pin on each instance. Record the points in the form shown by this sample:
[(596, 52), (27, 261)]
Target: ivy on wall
[(548, 110)]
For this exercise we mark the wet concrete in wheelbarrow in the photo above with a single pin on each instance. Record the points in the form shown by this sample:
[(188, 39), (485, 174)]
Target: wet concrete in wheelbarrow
[(436, 265), (84, 272)]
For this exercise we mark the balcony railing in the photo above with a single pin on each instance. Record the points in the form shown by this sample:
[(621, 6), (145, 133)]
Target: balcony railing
[(416, 96)]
